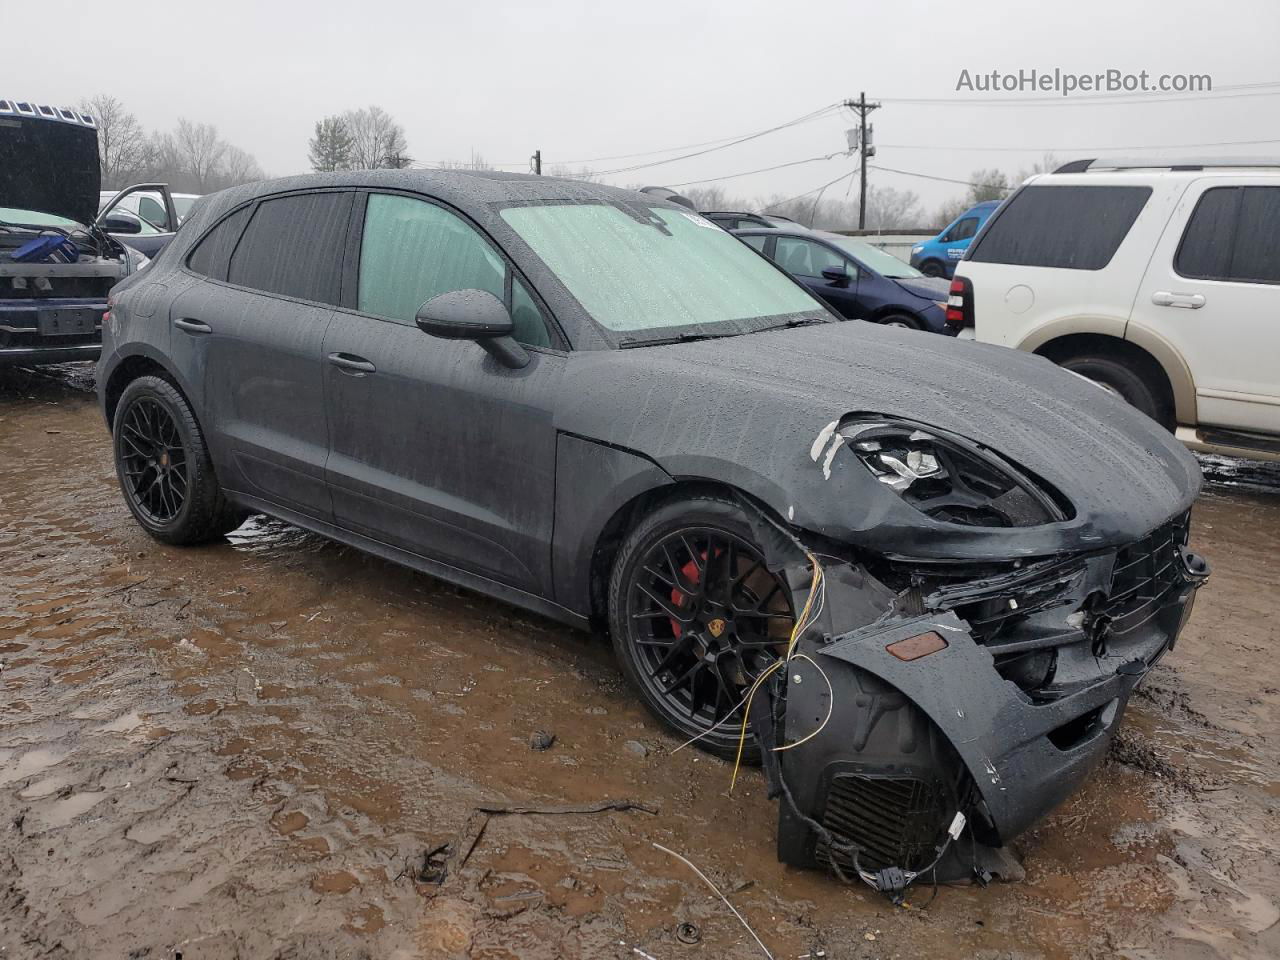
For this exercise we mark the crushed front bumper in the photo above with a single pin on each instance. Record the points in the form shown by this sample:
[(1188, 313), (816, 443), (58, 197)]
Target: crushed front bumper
[(1002, 721)]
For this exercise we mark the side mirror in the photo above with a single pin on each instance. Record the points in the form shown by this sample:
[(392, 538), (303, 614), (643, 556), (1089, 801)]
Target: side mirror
[(473, 315), (118, 222), (837, 275)]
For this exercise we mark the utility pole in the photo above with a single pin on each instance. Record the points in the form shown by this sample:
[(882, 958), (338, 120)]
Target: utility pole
[(537, 162), (865, 148)]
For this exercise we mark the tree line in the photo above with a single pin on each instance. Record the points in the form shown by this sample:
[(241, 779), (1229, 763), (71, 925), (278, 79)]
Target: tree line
[(191, 158)]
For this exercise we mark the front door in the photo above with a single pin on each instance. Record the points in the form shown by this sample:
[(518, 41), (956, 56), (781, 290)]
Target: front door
[(1212, 291), (806, 259), (435, 447)]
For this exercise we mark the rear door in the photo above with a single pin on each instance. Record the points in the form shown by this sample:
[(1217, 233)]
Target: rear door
[(1213, 292), (253, 338), (436, 448)]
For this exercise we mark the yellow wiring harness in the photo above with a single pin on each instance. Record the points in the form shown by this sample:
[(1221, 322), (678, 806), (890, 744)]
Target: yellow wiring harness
[(797, 631)]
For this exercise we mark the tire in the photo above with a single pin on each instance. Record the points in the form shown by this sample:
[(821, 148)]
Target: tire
[(164, 469), (932, 268), (1127, 380), (713, 650), (900, 320)]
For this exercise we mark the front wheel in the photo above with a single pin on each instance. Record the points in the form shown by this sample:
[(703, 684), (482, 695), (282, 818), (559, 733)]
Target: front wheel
[(900, 320), (696, 617), (163, 466), (932, 268)]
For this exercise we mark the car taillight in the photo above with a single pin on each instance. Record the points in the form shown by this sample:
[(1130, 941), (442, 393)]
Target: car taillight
[(106, 317), (960, 304)]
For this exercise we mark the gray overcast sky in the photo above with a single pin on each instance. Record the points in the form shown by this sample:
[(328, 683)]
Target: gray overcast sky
[(585, 80)]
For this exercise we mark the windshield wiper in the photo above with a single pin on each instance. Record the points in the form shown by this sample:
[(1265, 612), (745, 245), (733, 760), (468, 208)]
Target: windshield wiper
[(686, 337), (797, 322)]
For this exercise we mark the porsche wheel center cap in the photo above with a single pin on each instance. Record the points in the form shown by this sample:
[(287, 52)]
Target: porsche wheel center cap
[(716, 627)]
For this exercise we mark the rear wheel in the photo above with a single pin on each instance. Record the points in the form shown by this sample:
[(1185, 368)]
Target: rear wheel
[(1125, 380), (696, 616), (164, 468)]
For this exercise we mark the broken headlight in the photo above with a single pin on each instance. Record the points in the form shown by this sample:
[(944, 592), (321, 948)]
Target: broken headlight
[(950, 478)]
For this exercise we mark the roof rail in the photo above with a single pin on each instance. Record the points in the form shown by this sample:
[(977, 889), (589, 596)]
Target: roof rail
[(1150, 163)]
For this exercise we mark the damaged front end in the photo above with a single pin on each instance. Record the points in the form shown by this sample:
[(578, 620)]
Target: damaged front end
[(934, 709)]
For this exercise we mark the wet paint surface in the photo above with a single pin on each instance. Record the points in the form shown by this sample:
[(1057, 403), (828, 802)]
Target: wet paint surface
[(251, 747)]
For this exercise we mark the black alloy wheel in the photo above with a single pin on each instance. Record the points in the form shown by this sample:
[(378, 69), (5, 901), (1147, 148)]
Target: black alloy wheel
[(153, 461), (164, 468), (698, 617)]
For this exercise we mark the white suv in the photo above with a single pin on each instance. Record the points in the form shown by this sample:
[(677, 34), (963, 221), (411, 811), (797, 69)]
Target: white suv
[(1160, 283)]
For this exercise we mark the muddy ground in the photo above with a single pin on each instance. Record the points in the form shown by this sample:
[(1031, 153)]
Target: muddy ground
[(247, 750)]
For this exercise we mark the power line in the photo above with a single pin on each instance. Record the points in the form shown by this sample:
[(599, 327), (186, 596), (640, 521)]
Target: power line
[(929, 176), (801, 196), (706, 143), (747, 173), (754, 136)]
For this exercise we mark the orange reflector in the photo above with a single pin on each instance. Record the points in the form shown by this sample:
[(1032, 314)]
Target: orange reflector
[(913, 648)]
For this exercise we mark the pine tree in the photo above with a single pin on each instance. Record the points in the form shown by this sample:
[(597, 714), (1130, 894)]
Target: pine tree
[(330, 148)]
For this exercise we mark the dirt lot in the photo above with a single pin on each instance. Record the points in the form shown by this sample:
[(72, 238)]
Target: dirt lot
[(247, 750)]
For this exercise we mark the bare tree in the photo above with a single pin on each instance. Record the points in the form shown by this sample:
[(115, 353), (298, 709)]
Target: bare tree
[(890, 209), (200, 152), (122, 143), (238, 166), (376, 138)]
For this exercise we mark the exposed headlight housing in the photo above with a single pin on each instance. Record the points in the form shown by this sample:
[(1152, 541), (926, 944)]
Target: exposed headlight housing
[(950, 478)]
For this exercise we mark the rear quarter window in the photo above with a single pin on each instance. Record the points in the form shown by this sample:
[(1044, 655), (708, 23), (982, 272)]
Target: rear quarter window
[(213, 252), (1233, 234), (1076, 227)]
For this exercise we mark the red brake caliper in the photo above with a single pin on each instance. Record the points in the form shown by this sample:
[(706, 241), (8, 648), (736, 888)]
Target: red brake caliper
[(693, 575)]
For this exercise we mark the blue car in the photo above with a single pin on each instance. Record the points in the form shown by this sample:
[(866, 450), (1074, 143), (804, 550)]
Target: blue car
[(938, 256), (857, 280)]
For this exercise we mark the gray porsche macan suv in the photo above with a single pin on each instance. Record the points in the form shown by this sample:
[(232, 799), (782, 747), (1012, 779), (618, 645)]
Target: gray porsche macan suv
[(601, 407)]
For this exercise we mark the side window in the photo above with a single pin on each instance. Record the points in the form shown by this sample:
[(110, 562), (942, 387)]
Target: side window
[(963, 230), (212, 254), (1233, 234), (1205, 250), (413, 250), (806, 258), (151, 209), (1075, 227), (758, 242), (293, 247)]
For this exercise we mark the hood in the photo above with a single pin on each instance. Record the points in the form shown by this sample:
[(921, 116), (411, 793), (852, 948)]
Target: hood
[(749, 410), (49, 165), (931, 288)]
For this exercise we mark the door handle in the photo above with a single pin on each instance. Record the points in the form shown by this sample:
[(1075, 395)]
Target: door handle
[(1189, 301), (347, 361), (192, 326)]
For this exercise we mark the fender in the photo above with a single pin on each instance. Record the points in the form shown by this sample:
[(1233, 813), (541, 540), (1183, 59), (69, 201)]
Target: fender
[(593, 482), (123, 353)]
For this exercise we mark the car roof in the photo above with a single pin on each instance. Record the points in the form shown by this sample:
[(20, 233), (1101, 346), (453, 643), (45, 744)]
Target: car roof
[(458, 186)]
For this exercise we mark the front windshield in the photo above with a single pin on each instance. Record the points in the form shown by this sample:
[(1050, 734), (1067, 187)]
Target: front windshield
[(675, 269), (885, 264), (34, 218)]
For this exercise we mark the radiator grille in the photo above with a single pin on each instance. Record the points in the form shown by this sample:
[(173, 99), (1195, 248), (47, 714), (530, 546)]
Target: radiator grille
[(896, 821)]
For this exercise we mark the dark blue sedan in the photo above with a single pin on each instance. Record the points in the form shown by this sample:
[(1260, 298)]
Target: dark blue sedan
[(857, 280)]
